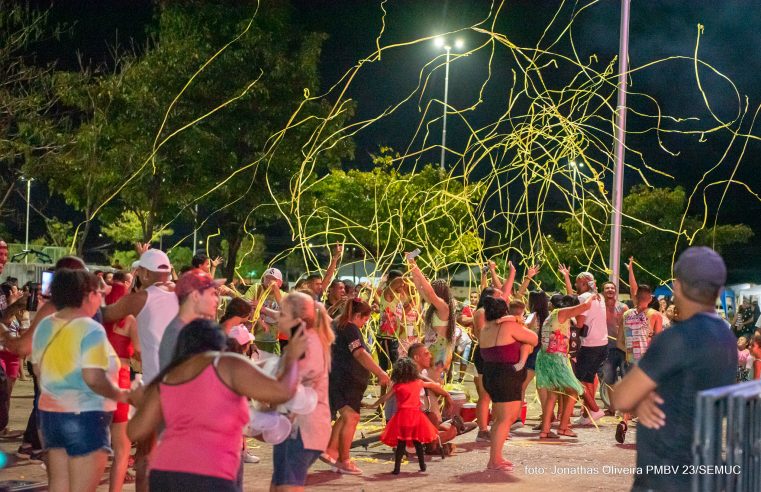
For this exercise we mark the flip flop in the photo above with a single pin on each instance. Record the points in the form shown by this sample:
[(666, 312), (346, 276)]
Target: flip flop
[(621, 429), (507, 467), (567, 433), (548, 435)]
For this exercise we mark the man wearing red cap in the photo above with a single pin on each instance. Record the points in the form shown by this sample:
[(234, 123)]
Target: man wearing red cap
[(198, 294)]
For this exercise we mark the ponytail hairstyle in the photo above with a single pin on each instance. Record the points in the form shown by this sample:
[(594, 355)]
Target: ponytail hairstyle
[(353, 307), (494, 308), (441, 288)]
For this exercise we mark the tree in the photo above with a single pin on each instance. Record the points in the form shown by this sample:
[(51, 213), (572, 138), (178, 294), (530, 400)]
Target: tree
[(655, 225), (27, 121), (228, 160), (129, 229), (386, 211)]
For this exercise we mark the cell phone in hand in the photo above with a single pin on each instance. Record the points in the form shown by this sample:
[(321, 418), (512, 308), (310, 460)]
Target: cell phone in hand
[(413, 254)]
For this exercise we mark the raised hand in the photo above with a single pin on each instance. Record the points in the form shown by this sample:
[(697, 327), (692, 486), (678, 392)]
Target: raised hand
[(630, 265), (564, 270), (217, 261), (141, 248), (532, 271)]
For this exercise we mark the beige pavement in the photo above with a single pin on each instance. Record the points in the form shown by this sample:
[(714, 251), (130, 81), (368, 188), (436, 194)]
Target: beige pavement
[(594, 461)]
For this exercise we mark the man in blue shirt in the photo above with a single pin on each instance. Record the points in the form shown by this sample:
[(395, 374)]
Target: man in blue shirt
[(695, 354)]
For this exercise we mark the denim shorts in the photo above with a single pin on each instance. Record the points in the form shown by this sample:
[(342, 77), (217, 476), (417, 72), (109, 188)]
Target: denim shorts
[(78, 433), (291, 461)]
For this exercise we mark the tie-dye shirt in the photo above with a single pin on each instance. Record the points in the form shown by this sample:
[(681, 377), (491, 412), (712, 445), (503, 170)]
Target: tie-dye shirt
[(82, 344)]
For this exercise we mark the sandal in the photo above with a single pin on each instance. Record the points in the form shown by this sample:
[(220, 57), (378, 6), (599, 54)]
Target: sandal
[(621, 429), (548, 435), (567, 433), (506, 466)]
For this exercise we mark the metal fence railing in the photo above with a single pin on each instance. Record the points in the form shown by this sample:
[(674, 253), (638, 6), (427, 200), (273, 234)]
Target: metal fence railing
[(727, 439)]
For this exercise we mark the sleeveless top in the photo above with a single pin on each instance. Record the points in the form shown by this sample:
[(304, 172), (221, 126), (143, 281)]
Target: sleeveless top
[(203, 435), (122, 344), (555, 335), (160, 308), (505, 354), (391, 317), (440, 348)]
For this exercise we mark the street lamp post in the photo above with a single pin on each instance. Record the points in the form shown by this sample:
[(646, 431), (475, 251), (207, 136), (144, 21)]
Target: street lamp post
[(28, 199), (620, 140), (441, 43), (575, 166), (195, 228)]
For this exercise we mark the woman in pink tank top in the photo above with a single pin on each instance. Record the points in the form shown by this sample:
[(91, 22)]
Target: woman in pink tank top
[(200, 447)]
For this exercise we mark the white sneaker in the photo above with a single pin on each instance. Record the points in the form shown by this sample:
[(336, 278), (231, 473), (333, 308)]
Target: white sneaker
[(598, 415), (582, 421), (248, 457)]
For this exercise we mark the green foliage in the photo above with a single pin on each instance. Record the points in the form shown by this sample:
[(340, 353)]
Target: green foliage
[(124, 258), (180, 256), (386, 211), (250, 262), (654, 222), (128, 229)]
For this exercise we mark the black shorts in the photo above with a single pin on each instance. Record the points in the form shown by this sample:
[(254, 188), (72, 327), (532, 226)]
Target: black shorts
[(341, 394), (588, 362), (503, 383), (478, 361), (388, 352), (531, 361)]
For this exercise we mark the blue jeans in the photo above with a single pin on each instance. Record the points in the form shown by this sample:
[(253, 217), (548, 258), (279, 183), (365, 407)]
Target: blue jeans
[(291, 461)]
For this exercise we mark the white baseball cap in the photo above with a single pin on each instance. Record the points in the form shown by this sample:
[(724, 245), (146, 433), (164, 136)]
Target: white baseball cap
[(274, 273), (241, 334), (155, 260)]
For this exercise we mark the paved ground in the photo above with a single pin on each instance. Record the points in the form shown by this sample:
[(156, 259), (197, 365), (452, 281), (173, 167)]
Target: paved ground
[(594, 461)]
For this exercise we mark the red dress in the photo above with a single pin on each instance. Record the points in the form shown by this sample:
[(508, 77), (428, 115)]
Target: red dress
[(409, 423)]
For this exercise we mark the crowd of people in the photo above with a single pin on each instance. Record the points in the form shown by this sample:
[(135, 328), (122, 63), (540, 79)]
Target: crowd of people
[(153, 357)]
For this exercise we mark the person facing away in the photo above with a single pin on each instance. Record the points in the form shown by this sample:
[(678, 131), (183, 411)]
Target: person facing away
[(695, 354)]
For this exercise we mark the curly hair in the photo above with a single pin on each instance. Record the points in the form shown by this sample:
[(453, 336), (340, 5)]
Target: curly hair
[(405, 371)]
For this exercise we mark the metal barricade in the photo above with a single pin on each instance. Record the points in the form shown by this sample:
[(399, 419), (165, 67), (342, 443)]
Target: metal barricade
[(727, 439)]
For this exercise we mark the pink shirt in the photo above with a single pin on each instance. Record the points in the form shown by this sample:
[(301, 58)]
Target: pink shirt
[(204, 427), (313, 372)]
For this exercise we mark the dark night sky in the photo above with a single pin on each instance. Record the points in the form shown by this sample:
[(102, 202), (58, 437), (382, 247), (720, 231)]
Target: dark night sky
[(658, 29)]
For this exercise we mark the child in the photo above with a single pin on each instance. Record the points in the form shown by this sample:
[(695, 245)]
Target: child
[(409, 423), (744, 360), (240, 341), (755, 351)]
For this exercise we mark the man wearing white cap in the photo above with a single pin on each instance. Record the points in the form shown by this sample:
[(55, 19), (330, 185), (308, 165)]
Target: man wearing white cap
[(154, 307), (270, 296)]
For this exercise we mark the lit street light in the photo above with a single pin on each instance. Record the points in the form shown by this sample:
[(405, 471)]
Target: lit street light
[(440, 42), (575, 169)]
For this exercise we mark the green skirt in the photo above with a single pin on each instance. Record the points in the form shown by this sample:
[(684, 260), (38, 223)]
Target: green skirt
[(553, 372)]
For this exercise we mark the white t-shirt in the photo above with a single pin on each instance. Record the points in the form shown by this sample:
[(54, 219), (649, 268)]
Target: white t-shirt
[(161, 307), (596, 321)]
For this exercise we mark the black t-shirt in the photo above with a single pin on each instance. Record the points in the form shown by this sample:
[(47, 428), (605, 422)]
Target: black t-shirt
[(693, 355), (346, 369)]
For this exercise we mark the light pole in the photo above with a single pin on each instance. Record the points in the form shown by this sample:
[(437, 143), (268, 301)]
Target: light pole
[(441, 43), (620, 140), (195, 228), (575, 167), (28, 199)]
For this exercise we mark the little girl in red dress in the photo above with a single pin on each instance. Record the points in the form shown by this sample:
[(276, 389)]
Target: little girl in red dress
[(409, 423)]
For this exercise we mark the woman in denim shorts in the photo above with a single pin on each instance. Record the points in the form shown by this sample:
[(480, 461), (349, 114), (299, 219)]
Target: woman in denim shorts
[(77, 370)]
